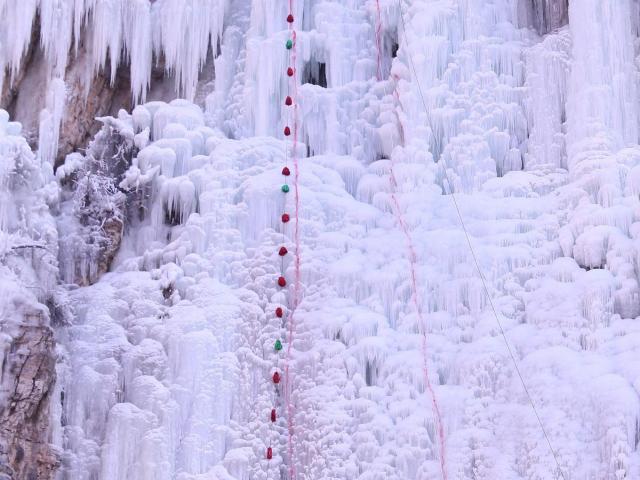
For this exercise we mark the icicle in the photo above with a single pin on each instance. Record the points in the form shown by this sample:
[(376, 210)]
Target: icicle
[(50, 121)]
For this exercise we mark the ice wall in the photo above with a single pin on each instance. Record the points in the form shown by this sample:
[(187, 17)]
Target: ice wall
[(165, 368), (29, 303)]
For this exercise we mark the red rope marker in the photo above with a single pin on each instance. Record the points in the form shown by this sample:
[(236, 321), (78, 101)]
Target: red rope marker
[(287, 131), (294, 302), (288, 102), (283, 251), (276, 378), (279, 312), (273, 414), (282, 282), (285, 217), (286, 172), (269, 453)]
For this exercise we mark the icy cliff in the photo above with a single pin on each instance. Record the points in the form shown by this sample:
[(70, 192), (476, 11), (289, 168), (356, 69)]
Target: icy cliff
[(167, 227), (30, 301)]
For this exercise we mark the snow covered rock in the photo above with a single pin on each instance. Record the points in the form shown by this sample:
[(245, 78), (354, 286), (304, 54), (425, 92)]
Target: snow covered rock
[(28, 298)]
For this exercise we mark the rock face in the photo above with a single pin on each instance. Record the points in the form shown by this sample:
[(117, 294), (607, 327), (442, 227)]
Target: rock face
[(548, 15), (28, 376), (88, 94), (93, 207), (85, 103), (87, 97), (28, 277)]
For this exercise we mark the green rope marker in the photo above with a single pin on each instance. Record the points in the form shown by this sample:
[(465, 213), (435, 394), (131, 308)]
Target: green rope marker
[(289, 44), (278, 345), (285, 188)]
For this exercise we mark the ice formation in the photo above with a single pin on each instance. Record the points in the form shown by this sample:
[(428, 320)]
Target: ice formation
[(169, 228), (30, 302)]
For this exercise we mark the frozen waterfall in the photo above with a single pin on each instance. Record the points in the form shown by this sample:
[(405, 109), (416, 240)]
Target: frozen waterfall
[(138, 276)]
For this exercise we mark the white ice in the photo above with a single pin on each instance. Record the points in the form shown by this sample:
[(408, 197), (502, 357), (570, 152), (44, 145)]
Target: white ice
[(530, 122)]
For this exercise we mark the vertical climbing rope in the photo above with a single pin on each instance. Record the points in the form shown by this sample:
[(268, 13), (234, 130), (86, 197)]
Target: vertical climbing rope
[(415, 295), (417, 305), (282, 253), (291, 102), (452, 195)]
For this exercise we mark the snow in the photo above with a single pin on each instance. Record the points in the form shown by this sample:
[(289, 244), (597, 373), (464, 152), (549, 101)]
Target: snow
[(166, 363)]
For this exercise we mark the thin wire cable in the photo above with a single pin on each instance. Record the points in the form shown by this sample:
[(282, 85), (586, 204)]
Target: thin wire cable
[(477, 264)]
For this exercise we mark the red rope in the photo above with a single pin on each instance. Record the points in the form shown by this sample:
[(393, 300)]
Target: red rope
[(412, 261), (415, 297), (296, 284)]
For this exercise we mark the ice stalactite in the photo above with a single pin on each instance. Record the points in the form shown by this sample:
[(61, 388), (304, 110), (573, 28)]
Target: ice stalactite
[(548, 68), (595, 286), (89, 44), (602, 120), (120, 31), (50, 121), (601, 111)]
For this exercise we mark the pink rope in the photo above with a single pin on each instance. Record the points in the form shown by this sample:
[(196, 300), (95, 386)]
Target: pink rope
[(417, 304), (296, 286)]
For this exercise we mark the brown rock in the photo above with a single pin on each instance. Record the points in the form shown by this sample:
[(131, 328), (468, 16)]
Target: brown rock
[(27, 378)]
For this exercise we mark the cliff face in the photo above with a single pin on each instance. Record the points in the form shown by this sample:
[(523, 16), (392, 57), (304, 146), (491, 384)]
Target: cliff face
[(65, 44), (28, 287), (86, 96), (88, 206), (26, 382)]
